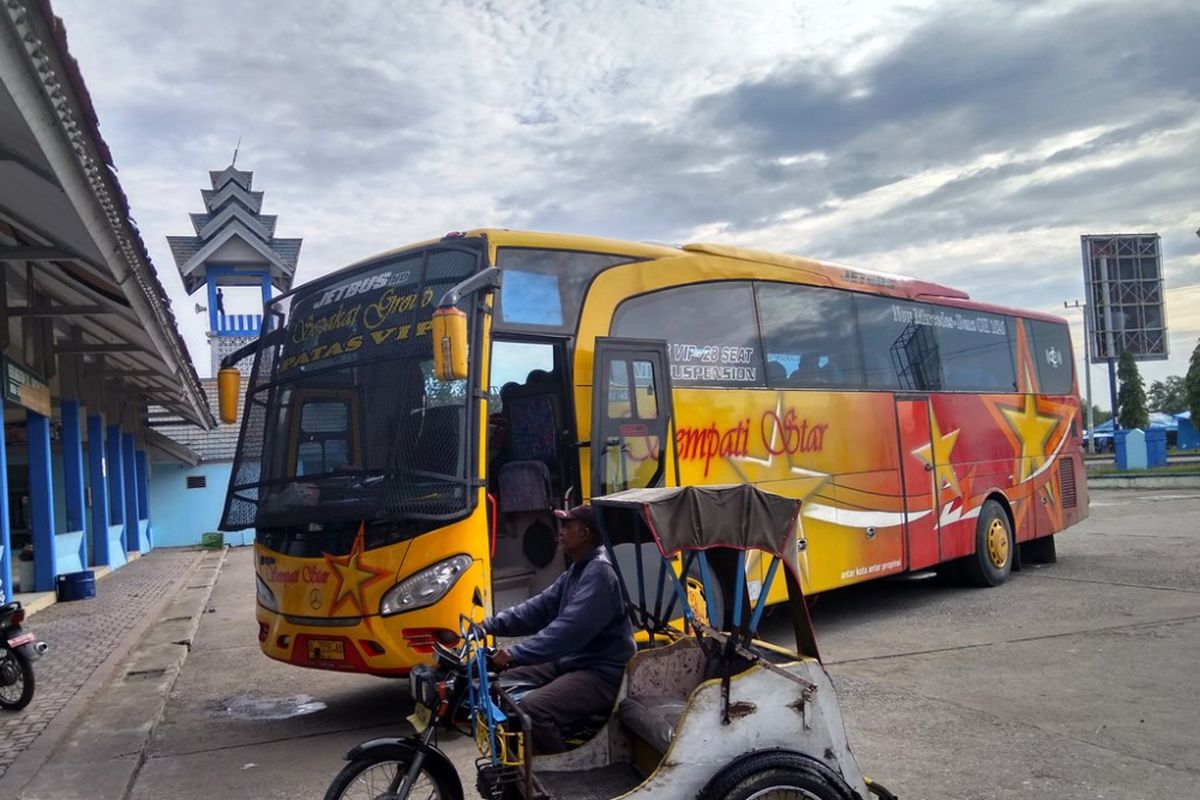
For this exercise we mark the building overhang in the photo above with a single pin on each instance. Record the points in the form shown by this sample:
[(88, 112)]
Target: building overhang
[(170, 448), (66, 227)]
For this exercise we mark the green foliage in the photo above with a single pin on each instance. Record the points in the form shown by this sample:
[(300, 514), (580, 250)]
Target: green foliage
[(1168, 396), (1192, 385), (1131, 398), (1099, 414)]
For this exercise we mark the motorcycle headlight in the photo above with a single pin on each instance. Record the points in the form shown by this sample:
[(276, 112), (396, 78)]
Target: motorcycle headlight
[(266, 598), (424, 588)]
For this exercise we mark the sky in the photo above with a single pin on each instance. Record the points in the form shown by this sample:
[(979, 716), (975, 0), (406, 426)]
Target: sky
[(965, 142)]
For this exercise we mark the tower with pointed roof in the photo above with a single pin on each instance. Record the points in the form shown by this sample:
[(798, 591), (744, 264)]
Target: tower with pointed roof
[(234, 245)]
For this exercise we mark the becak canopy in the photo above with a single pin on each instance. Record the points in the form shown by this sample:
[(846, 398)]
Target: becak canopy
[(699, 517)]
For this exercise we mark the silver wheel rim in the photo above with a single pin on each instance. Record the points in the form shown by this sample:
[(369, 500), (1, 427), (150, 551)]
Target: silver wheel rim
[(783, 793), (373, 782)]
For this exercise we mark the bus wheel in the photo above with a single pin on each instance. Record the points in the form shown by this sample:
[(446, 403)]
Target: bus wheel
[(994, 548)]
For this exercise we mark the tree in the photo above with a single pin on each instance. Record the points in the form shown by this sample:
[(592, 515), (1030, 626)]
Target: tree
[(1192, 382), (1131, 398), (1101, 415), (1168, 396)]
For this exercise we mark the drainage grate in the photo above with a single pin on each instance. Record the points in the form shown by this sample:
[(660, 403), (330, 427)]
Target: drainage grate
[(145, 673)]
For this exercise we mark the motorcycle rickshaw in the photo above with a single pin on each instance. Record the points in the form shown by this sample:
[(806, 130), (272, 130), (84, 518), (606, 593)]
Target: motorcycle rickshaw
[(705, 710)]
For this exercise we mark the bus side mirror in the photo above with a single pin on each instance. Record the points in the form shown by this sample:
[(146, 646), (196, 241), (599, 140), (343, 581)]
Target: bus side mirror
[(449, 344), (228, 383)]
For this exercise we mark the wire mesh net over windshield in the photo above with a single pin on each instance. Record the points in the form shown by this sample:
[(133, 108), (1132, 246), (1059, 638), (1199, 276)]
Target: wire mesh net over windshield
[(344, 420)]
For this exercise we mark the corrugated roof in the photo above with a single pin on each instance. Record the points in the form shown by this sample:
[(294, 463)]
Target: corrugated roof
[(218, 444)]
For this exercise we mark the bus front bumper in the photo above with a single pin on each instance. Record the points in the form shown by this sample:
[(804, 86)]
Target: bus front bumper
[(356, 644)]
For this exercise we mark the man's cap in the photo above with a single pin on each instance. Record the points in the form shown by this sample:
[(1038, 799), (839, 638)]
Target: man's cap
[(584, 513)]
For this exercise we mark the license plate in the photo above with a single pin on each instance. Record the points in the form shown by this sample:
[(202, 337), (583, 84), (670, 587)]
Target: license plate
[(326, 650), (24, 638), (420, 717)]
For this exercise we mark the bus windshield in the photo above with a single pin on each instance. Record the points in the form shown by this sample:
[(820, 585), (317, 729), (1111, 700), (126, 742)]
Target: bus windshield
[(344, 421)]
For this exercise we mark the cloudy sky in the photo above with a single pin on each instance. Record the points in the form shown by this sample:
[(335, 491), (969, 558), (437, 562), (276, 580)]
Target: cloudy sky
[(966, 142)]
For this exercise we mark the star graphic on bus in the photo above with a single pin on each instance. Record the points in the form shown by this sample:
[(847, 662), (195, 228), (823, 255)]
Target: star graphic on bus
[(352, 575), (937, 455), (1031, 431)]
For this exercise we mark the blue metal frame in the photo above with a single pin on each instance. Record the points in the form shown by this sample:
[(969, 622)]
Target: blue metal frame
[(100, 507), (761, 605), (235, 324)]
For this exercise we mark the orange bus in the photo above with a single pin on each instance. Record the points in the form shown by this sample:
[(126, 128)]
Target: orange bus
[(921, 429)]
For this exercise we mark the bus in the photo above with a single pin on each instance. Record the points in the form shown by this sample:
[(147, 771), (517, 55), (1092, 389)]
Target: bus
[(412, 421)]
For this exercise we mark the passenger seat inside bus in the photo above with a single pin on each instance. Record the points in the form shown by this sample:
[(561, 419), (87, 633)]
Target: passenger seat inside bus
[(528, 482)]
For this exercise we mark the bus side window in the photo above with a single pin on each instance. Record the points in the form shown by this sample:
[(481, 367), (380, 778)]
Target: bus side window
[(808, 333)]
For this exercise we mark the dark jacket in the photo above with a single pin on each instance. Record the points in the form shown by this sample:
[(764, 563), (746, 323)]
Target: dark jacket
[(578, 622)]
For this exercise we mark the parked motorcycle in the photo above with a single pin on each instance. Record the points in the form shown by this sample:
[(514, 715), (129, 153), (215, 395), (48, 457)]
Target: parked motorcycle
[(18, 650)]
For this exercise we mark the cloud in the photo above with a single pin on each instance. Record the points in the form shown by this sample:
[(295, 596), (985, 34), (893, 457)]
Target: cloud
[(970, 143)]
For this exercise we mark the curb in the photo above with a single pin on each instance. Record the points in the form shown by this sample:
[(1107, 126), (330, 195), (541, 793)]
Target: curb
[(101, 756), (1179, 480)]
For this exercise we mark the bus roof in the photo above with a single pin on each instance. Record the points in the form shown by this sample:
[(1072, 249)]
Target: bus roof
[(818, 272)]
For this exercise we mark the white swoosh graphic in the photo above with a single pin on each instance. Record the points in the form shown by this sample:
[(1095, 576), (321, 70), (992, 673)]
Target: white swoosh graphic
[(860, 519)]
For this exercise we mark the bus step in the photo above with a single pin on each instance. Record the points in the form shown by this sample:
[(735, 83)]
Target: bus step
[(923, 575)]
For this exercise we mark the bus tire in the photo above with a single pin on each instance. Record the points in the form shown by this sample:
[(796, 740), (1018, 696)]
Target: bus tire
[(995, 548), (777, 771)]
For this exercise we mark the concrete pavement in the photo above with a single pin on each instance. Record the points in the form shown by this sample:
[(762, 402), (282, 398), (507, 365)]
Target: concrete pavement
[(1071, 681), (88, 639)]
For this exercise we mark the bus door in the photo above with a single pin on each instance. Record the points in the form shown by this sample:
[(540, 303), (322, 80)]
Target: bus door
[(631, 411), (632, 444), (919, 473)]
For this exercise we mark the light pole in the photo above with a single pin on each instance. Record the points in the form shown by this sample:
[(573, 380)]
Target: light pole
[(1087, 369)]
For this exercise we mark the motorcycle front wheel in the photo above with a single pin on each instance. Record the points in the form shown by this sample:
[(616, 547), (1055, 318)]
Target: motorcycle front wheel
[(16, 679), (371, 779)]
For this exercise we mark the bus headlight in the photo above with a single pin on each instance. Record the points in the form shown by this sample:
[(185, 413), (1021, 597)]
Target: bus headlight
[(266, 598), (424, 588)]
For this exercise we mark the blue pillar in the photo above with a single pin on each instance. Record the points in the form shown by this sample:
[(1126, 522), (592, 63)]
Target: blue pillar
[(266, 289), (143, 494), (116, 484), (131, 516), (41, 502), (100, 507), (6, 592), (72, 446)]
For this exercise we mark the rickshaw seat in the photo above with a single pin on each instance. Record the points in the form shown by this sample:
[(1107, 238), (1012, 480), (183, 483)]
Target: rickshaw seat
[(654, 718)]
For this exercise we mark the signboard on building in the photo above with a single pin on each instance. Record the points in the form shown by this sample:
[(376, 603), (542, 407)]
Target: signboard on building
[(26, 389), (1122, 274)]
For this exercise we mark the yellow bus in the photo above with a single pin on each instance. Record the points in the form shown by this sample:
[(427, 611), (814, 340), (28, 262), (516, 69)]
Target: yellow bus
[(920, 429)]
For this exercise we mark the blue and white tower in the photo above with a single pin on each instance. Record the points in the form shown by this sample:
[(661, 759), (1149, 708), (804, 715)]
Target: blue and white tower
[(234, 245)]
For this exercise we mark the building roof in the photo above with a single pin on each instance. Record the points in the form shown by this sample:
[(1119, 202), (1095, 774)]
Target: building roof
[(70, 218), (217, 444), (232, 232)]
